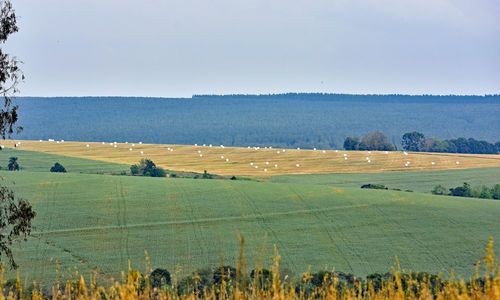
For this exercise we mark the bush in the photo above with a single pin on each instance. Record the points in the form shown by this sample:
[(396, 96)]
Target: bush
[(440, 190), (58, 168), (495, 192), (159, 278), (374, 186), (134, 169), (13, 165), (229, 274), (461, 191), (206, 175), (264, 279), (147, 167)]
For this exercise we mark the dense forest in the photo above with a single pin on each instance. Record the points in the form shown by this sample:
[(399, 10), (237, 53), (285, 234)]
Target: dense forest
[(285, 120)]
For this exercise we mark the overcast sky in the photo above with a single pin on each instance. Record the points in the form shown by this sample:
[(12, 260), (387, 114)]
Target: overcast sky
[(175, 48)]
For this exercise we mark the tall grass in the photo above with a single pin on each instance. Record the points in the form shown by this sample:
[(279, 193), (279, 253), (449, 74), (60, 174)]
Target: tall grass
[(401, 285)]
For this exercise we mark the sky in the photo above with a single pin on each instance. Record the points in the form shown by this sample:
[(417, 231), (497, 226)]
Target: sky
[(177, 48)]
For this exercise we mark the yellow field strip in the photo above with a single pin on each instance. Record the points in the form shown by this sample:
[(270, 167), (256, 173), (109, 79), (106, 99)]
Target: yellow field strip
[(261, 162)]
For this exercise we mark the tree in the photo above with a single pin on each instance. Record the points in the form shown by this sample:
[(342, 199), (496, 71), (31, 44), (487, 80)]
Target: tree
[(377, 141), (13, 165), (147, 167), (58, 168), (15, 221), (10, 73), (461, 191), (413, 141), (351, 143), (159, 277), (16, 214), (495, 192), (439, 190)]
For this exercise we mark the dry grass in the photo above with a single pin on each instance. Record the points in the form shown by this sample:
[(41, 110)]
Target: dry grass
[(187, 158)]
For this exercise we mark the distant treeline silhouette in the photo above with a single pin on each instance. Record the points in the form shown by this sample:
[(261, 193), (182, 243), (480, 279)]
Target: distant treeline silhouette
[(417, 142)]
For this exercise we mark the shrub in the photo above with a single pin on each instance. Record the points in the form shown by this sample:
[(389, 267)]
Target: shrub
[(374, 186), (461, 191), (147, 167), (495, 192), (134, 169), (206, 175), (226, 272), (58, 168), (264, 277), (440, 190), (159, 278)]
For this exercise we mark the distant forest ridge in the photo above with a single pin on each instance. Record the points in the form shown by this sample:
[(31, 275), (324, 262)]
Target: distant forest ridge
[(359, 97), (308, 96), (282, 120)]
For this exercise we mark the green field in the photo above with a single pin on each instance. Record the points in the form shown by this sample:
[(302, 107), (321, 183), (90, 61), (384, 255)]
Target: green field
[(42, 162), (101, 221), (422, 182)]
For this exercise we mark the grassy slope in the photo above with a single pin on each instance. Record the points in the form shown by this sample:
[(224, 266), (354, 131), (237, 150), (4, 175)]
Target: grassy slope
[(187, 158), (417, 181), (91, 221), (42, 162)]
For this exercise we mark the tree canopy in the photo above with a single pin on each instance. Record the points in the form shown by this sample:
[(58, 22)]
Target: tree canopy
[(16, 214), (147, 167), (58, 168)]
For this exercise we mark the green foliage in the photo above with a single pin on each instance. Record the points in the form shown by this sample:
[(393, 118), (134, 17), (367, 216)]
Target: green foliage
[(147, 167), (58, 168), (461, 191), (196, 281), (225, 273), (376, 141), (413, 141), (351, 143), (372, 141), (16, 215), (495, 192), (13, 165), (159, 277), (440, 190), (206, 175), (374, 186), (134, 169), (416, 141), (263, 276), (466, 190)]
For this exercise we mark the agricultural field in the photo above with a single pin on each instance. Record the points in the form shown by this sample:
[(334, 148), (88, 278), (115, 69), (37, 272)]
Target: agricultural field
[(89, 221), (422, 182), (42, 162), (262, 162)]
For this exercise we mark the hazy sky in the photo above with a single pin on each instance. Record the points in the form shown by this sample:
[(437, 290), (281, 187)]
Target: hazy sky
[(184, 47)]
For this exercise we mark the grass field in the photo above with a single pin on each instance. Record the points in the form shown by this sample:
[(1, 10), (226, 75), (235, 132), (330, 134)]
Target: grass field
[(187, 158), (422, 182), (42, 162), (100, 221)]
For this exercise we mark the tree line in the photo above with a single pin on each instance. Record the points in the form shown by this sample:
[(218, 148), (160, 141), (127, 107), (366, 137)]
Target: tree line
[(466, 190), (417, 142)]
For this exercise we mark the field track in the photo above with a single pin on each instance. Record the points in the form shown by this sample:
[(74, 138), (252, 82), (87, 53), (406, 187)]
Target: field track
[(237, 161)]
